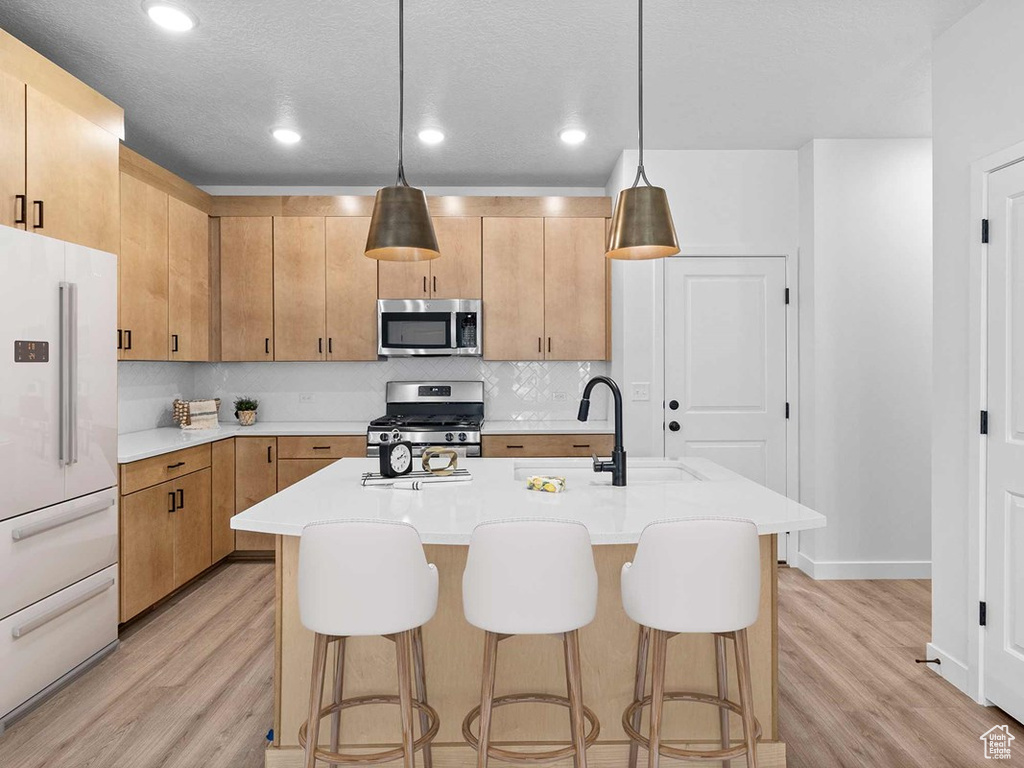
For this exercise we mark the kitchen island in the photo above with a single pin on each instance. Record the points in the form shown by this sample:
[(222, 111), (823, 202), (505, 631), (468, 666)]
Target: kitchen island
[(445, 516)]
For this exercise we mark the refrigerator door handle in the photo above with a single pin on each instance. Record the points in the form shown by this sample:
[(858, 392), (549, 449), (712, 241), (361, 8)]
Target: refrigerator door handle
[(73, 372), (65, 372)]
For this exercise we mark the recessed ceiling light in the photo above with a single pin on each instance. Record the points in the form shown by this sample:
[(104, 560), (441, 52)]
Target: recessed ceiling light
[(573, 136), (287, 135), (431, 136), (171, 17)]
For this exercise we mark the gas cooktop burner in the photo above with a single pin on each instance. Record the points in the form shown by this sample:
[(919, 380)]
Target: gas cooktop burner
[(455, 421)]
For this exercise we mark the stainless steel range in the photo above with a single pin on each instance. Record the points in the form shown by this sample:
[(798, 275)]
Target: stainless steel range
[(427, 413)]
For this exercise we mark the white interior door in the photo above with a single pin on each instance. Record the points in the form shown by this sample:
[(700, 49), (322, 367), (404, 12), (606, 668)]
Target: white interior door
[(725, 364), (1004, 528)]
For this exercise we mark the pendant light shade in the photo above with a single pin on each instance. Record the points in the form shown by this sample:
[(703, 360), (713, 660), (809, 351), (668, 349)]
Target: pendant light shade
[(642, 225), (400, 226)]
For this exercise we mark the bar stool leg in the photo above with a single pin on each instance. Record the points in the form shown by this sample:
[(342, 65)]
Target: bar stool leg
[(487, 696), (421, 689), (723, 693), (642, 650), (746, 696), (316, 694), (569, 693), (403, 649), (659, 642), (337, 694), (574, 673)]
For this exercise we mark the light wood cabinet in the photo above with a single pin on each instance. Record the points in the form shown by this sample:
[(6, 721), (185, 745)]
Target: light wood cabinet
[(255, 480), (72, 177), (575, 289), (188, 292), (546, 446), (13, 203), (290, 471), (167, 466), (191, 518), (351, 291), (513, 288), (247, 287), (222, 498), (455, 275), (300, 290), (321, 447), (142, 271)]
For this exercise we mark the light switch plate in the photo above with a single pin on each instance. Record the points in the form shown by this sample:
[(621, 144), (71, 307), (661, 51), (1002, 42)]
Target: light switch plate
[(307, 397), (641, 391)]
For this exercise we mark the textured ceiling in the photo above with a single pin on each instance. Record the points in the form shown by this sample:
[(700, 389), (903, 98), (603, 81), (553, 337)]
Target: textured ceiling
[(500, 77)]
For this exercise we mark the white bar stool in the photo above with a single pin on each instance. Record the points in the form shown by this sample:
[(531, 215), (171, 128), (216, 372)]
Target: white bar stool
[(365, 578), (698, 575), (531, 577)]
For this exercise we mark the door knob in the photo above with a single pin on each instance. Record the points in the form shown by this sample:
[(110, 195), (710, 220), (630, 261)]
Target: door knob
[(673, 404), (673, 426)]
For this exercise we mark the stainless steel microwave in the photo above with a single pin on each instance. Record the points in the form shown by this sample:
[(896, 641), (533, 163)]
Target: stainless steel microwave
[(439, 327)]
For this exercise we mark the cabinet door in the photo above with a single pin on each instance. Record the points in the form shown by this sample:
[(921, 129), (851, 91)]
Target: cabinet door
[(255, 480), (403, 279), (300, 292), (192, 554), (351, 291), (12, 158), (574, 289), (72, 169), (188, 269), (147, 548), (143, 271), (456, 275), (513, 288), (290, 471), (247, 287), (222, 482)]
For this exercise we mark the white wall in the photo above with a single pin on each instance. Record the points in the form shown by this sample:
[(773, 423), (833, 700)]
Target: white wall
[(977, 110), (865, 356), (724, 203)]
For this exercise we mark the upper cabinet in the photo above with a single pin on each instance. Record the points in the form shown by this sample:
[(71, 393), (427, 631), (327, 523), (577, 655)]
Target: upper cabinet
[(545, 289), (247, 287), (300, 288), (455, 275), (351, 291), (188, 270), (13, 202)]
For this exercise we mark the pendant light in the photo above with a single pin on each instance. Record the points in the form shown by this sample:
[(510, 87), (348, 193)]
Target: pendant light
[(642, 223), (400, 227)]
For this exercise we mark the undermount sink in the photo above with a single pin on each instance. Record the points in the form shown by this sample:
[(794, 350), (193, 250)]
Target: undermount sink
[(581, 471)]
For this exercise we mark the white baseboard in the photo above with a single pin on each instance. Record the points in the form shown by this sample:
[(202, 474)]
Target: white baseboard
[(863, 569), (951, 670)]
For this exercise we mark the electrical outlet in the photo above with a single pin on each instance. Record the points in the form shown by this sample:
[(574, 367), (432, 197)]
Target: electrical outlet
[(307, 397), (560, 397), (641, 391)]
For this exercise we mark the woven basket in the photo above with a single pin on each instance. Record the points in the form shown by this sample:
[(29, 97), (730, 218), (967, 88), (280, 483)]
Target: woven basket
[(183, 412)]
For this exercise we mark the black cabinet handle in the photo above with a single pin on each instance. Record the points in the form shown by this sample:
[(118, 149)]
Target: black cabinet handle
[(120, 339), (173, 505), (174, 342), (549, 343), (320, 345), (540, 342), (175, 466), (673, 404), (435, 283), (38, 223), (20, 204), (128, 339), (181, 498), (266, 346), (330, 345), (513, 446), (424, 283), (581, 445), (269, 459), (673, 426), (321, 447)]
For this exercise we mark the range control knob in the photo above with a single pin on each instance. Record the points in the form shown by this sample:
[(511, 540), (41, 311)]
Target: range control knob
[(462, 437), (384, 437), (449, 437)]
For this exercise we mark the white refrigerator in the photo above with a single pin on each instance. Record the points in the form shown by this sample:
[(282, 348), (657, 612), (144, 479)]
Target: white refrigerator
[(58, 465)]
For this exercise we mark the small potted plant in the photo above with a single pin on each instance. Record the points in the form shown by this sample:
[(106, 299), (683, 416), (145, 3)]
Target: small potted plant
[(245, 410)]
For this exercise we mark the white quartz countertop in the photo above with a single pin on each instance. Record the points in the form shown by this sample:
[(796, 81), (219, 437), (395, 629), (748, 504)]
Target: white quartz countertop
[(447, 513), (134, 446)]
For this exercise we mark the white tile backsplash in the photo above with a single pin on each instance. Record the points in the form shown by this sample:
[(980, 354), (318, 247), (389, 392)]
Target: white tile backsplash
[(351, 391)]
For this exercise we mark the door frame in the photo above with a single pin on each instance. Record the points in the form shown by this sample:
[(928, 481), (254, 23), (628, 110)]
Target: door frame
[(972, 680), (792, 261)]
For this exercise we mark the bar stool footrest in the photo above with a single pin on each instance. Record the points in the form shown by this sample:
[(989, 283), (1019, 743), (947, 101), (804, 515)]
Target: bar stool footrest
[(666, 750), (530, 758), (373, 758)]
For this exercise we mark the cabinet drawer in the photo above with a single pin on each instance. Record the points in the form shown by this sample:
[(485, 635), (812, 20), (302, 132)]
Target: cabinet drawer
[(44, 551), (41, 643), (159, 469), (324, 447), (545, 446)]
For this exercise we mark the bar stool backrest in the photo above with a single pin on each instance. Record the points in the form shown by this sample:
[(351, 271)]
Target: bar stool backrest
[(364, 577), (530, 577), (694, 575)]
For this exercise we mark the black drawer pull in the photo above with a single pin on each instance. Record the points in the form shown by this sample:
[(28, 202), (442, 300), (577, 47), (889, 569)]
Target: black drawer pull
[(321, 447), (181, 498), (175, 466), (581, 445), (20, 204), (513, 446), (173, 505)]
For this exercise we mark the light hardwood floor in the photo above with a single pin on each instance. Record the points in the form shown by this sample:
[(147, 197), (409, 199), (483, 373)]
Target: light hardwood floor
[(191, 685)]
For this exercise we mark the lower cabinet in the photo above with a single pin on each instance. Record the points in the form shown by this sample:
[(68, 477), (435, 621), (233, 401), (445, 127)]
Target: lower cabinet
[(546, 446), (290, 471), (222, 461), (255, 480), (165, 539)]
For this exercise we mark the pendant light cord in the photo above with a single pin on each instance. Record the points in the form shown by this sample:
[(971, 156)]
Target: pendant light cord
[(400, 181), (640, 172)]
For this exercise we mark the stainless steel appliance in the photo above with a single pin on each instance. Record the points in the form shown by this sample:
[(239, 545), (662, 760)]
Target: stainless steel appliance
[(427, 413), (439, 327), (58, 464)]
